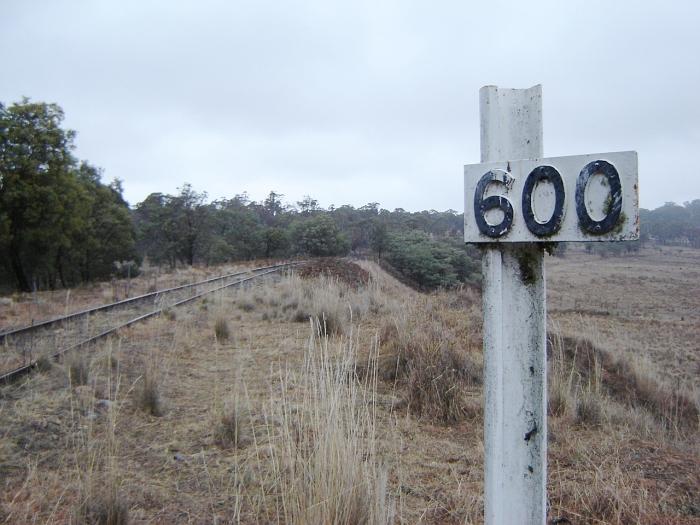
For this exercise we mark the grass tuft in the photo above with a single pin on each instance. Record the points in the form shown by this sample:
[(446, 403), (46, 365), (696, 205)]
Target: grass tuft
[(221, 330), (234, 428), (105, 508), (589, 409), (78, 370), (421, 353), (44, 364), (326, 461), (150, 398)]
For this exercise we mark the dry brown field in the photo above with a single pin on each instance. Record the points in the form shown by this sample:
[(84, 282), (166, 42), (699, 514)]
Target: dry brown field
[(645, 306), (338, 395)]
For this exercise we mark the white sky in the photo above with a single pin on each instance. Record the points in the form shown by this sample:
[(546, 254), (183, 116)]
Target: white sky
[(353, 102)]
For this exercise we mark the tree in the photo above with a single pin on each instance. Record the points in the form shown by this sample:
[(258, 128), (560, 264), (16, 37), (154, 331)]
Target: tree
[(107, 236), (308, 205), (320, 236), (176, 228), (378, 237), (190, 217), (58, 222)]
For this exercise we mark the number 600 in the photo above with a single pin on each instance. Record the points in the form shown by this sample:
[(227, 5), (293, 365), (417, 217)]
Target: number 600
[(548, 174)]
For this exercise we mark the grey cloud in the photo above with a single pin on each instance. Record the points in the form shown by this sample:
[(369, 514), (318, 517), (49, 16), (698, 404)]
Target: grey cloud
[(353, 102)]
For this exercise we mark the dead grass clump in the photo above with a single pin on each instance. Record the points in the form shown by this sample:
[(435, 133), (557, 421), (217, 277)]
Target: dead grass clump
[(589, 409), (560, 401), (330, 323), (432, 363), (44, 364), (104, 508), (558, 396), (246, 305), (78, 370), (234, 428), (221, 330), (150, 398), (326, 460), (324, 301)]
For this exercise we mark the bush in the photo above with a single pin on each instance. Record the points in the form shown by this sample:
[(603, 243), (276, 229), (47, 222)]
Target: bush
[(428, 263), (320, 236)]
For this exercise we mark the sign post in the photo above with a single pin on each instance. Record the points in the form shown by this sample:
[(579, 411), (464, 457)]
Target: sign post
[(515, 202)]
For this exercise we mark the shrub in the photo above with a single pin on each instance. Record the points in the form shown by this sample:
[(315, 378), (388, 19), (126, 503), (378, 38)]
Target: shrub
[(429, 263), (320, 236)]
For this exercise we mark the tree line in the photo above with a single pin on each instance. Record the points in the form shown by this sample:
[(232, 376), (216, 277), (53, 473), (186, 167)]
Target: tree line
[(60, 225), (185, 228)]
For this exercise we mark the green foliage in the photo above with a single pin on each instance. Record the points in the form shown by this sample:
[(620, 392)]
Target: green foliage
[(672, 224), (58, 223), (320, 236), (429, 263)]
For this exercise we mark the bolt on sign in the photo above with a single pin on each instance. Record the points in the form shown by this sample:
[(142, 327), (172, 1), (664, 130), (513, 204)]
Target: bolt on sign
[(514, 201)]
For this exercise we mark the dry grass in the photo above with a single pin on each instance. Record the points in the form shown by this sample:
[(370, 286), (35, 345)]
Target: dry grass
[(640, 305), (78, 368), (591, 382), (335, 304), (150, 396), (24, 308), (221, 330), (436, 368), (280, 424), (325, 458)]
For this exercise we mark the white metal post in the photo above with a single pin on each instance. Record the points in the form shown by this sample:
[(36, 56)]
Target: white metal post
[(515, 426)]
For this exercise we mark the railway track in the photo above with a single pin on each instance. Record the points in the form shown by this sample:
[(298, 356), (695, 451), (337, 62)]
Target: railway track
[(21, 349)]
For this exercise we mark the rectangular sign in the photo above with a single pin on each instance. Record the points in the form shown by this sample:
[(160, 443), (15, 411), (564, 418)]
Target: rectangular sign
[(578, 198)]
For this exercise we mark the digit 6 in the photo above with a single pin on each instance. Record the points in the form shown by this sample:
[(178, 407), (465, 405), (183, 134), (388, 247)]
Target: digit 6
[(482, 205)]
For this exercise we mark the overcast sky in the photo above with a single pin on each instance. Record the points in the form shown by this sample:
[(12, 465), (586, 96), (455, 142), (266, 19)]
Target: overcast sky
[(354, 102)]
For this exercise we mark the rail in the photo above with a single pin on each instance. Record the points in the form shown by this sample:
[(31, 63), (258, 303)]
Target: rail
[(8, 376)]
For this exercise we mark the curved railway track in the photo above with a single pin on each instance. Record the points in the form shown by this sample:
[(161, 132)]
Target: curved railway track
[(22, 348)]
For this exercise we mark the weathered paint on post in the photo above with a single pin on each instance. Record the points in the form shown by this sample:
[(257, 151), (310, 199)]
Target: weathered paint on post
[(515, 430)]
